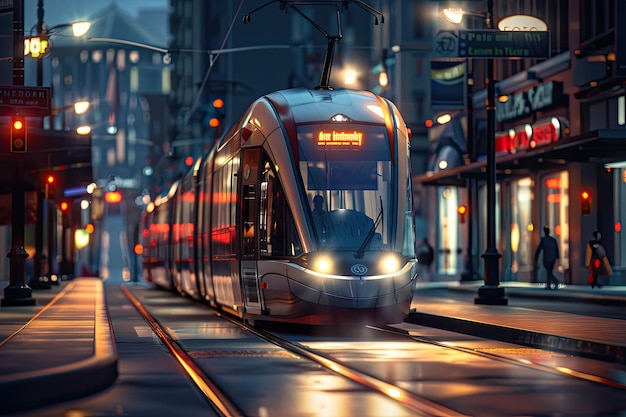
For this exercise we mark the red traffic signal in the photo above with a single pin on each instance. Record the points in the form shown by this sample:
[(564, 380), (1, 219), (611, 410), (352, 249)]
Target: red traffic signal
[(50, 187), (65, 208), (218, 103), (462, 210), (585, 203), (216, 113), (18, 134), (113, 197)]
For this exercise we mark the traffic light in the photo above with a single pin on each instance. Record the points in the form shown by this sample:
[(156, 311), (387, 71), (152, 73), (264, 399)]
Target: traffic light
[(18, 134), (50, 187), (65, 208), (113, 197), (216, 113), (585, 203), (462, 212)]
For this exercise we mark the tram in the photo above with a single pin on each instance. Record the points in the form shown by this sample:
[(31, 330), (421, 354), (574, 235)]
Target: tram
[(240, 230)]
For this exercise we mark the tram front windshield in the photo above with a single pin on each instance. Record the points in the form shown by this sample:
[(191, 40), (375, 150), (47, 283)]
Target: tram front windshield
[(348, 177)]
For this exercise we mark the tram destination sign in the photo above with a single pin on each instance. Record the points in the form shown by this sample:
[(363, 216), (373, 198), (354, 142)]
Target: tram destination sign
[(25, 100), (490, 43)]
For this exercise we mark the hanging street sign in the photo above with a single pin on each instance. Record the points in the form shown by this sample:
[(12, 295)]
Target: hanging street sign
[(490, 43), (24, 100)]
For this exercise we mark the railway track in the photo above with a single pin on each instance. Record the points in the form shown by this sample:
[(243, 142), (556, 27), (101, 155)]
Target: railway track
[(350, 357)]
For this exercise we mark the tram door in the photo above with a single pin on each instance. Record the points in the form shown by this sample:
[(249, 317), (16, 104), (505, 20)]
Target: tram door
[(250, 231)]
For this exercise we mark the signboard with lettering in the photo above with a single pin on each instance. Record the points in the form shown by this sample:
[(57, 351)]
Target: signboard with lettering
[(489, 43), (524, 103), (527, 136), (335, 138), (25, 100), (37, 46)]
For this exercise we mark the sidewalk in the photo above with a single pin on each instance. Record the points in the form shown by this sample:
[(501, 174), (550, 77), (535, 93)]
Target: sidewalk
[(60, 349), (63, 348), (579, 335)]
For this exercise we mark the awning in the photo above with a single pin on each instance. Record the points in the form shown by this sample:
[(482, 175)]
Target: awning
[(598, 146)]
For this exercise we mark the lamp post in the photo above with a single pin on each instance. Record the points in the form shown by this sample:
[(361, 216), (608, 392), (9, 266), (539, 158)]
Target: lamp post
[(18, 293), (37, 48), (490, 292)]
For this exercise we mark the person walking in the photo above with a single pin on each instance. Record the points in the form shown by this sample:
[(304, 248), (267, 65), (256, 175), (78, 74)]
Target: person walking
[(550, 249), (596, 260), (425, 258)]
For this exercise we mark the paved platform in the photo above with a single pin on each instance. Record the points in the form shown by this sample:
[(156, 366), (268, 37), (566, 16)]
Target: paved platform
[(63, 347), (576, 334)]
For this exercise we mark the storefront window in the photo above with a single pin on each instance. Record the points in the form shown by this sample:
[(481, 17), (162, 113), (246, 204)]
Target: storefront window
[(449, 259), (520, 236), (620, 203), (554, 209)]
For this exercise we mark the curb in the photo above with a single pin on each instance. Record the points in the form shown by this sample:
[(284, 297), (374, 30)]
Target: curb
[(585, 348), (75, 379)]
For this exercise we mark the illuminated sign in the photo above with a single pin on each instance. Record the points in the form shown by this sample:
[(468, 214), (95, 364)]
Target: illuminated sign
[(548, 131), (37, 46), (340, 138), (522, 22), (489, 43), (528, 136), (526, 102)]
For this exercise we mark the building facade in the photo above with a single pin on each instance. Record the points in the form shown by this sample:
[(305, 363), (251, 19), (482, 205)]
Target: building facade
[(559, 142)]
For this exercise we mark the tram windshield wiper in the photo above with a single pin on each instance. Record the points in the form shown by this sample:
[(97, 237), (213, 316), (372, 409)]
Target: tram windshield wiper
[(359, 253)]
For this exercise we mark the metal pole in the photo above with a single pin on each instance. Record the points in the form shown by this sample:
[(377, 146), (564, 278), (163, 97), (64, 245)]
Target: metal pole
[(18, 293), (37, 281), (468, 270), (491, 292)]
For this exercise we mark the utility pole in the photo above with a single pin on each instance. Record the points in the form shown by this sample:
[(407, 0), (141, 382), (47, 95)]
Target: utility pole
[(36, 281), (18, 293), (491, 292)]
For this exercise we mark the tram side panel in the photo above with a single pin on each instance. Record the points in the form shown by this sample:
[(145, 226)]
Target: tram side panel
[(206, 199), (185, 276), (224, 243)]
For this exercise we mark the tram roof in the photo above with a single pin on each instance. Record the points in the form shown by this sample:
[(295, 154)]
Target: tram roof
[(309, 106)]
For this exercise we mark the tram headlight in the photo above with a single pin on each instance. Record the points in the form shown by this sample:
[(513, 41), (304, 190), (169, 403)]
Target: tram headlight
[(323, 264), (390, 263)]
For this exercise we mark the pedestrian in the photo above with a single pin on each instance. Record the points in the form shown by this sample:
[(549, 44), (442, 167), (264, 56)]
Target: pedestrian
[(425, 257), (596, 260), (318, 207), (550, 249)]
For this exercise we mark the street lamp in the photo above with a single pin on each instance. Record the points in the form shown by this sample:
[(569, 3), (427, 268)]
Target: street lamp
[(79, 107), (37, 47), (491, 292)]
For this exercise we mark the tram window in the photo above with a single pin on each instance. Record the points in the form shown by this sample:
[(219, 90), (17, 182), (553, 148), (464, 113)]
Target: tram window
[(351, 176), (248, 220), (280, 237)]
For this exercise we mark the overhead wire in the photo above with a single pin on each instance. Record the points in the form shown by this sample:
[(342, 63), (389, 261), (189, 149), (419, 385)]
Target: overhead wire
[(211, 63)]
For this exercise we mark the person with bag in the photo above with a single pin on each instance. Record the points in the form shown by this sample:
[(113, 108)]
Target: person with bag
[(550, 248), (596, 260)]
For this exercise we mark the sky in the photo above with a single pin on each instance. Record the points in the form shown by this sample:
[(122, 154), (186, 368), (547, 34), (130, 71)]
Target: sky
[(67, 11)]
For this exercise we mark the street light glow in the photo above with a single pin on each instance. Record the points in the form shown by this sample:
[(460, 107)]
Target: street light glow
[(453, 14), (80, 28), (83, 130), (81, 107)]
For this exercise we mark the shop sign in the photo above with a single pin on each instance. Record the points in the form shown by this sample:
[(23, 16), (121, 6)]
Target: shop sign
[(522, 22), (529, 136), (514, 139), (526, 102), (549, 130)]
